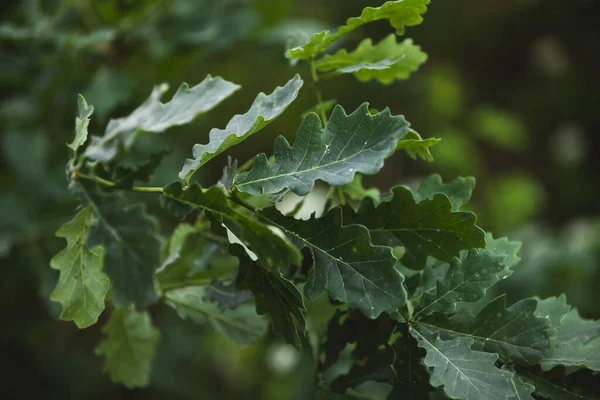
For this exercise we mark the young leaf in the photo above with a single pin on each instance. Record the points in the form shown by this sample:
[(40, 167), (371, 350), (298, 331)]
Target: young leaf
[(226, 296), (514, 333), (82, 285), (276, 296), (426, 228), (466, 279), (272, 250), (241, 325), (129, 348), (416, 146), (154, 116), (356, 191), (386, 61), (464, 373), (132, 247), (346, 265), (353, 143), (263, 110), (82, 121), (399, 13), (458, 191)]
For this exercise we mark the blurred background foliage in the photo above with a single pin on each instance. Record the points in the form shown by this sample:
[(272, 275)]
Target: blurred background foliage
[(511, 88)]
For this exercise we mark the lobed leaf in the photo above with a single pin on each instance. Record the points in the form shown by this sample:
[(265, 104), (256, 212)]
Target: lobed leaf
[(574, 341), (271, 249), (399, 13), (416, 146), (263, 110), (466, 279), (387, 61), (348, 144), (82, 285), (276, 296), (463, 373), (514, 333), (129, 348), (241, 325), (154, 116), (346, 265), (551, 390), (458, 191), (426, 228), (82, 121), (132, 247)]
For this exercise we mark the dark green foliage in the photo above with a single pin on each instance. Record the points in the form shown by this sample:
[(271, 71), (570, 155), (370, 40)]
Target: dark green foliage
[(380, 295)]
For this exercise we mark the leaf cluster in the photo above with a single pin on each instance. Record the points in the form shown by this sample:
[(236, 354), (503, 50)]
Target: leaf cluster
[(406, 271)]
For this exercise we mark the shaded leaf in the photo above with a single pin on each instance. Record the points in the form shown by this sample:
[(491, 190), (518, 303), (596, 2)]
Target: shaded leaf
[(386, 61), (458, 191), (348, 144), (226, 296), (193, 257), (125, 177), (272, 250), (464, 373), (263, 110), (129, 348), (427, 228), (132, 247), (276, 296), (551, 390), (573, 353), (399, 13), (241, 325), (466, 279), (346, 265), (82, 285), (514, 333), (154, 116)]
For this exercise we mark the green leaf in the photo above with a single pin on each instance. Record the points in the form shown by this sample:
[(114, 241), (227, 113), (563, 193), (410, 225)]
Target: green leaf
[(356, 191), (551, 390), (458, 191), (514, 333), (241, 325), (353, 143), (192, 258), (227, 296), (399, 13), (521, 390), (263, 110), (465, 279), (574, 341), (129, 348), (386, 61), (464, 373), (272, 250), (416, 146), (276, 296), (426, 228), (573, 353), (154, 116), (125, 177), (82, 122), (509, 248), (346, 265), (82, 285), (132, 247)]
